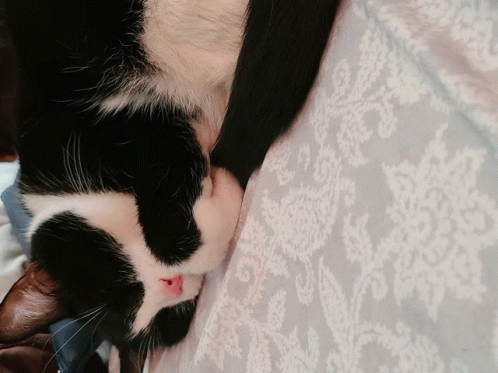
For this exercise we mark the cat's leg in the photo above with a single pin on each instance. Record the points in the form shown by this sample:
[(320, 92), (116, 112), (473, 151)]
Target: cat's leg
[(279, 60)]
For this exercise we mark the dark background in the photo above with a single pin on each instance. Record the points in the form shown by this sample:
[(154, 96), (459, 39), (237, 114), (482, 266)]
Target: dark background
[(8, 90)]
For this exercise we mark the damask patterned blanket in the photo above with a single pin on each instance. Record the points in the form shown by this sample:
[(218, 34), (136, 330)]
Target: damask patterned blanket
[(370, 241)]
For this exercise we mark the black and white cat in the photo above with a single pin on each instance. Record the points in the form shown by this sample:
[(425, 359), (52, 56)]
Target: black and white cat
[(141, 122)]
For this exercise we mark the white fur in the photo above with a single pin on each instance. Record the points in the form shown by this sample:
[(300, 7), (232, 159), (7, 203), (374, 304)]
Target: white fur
[(194, 45), (33, 306)]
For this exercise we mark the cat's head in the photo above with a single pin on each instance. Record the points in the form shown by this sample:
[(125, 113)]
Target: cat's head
[(124, 227)]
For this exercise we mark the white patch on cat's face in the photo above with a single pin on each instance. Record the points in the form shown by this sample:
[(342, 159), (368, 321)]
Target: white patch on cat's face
[(215, 212)]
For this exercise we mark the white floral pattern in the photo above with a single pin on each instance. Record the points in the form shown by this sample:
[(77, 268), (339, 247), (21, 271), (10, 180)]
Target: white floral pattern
[(369, 238), (443, 221)]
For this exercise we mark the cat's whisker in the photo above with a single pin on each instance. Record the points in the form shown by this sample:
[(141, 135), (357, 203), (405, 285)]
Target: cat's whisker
[(70, 167), (96, 326), (77, 165), (85, 181), (71, 178), (85, 315), (141, 347), (131, 177), (150, 345), (69, 340)]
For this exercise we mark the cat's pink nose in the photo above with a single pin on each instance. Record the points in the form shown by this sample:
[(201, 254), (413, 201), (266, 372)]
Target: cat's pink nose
[(173, 285)]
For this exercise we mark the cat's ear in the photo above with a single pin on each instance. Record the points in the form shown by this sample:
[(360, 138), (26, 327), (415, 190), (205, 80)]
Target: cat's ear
[(31, 305)]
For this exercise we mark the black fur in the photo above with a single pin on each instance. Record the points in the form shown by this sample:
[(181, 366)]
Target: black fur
[(65, 49), (281, 53)]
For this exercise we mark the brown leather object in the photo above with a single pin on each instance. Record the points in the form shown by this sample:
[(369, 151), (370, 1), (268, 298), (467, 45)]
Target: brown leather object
[(33, 355)]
